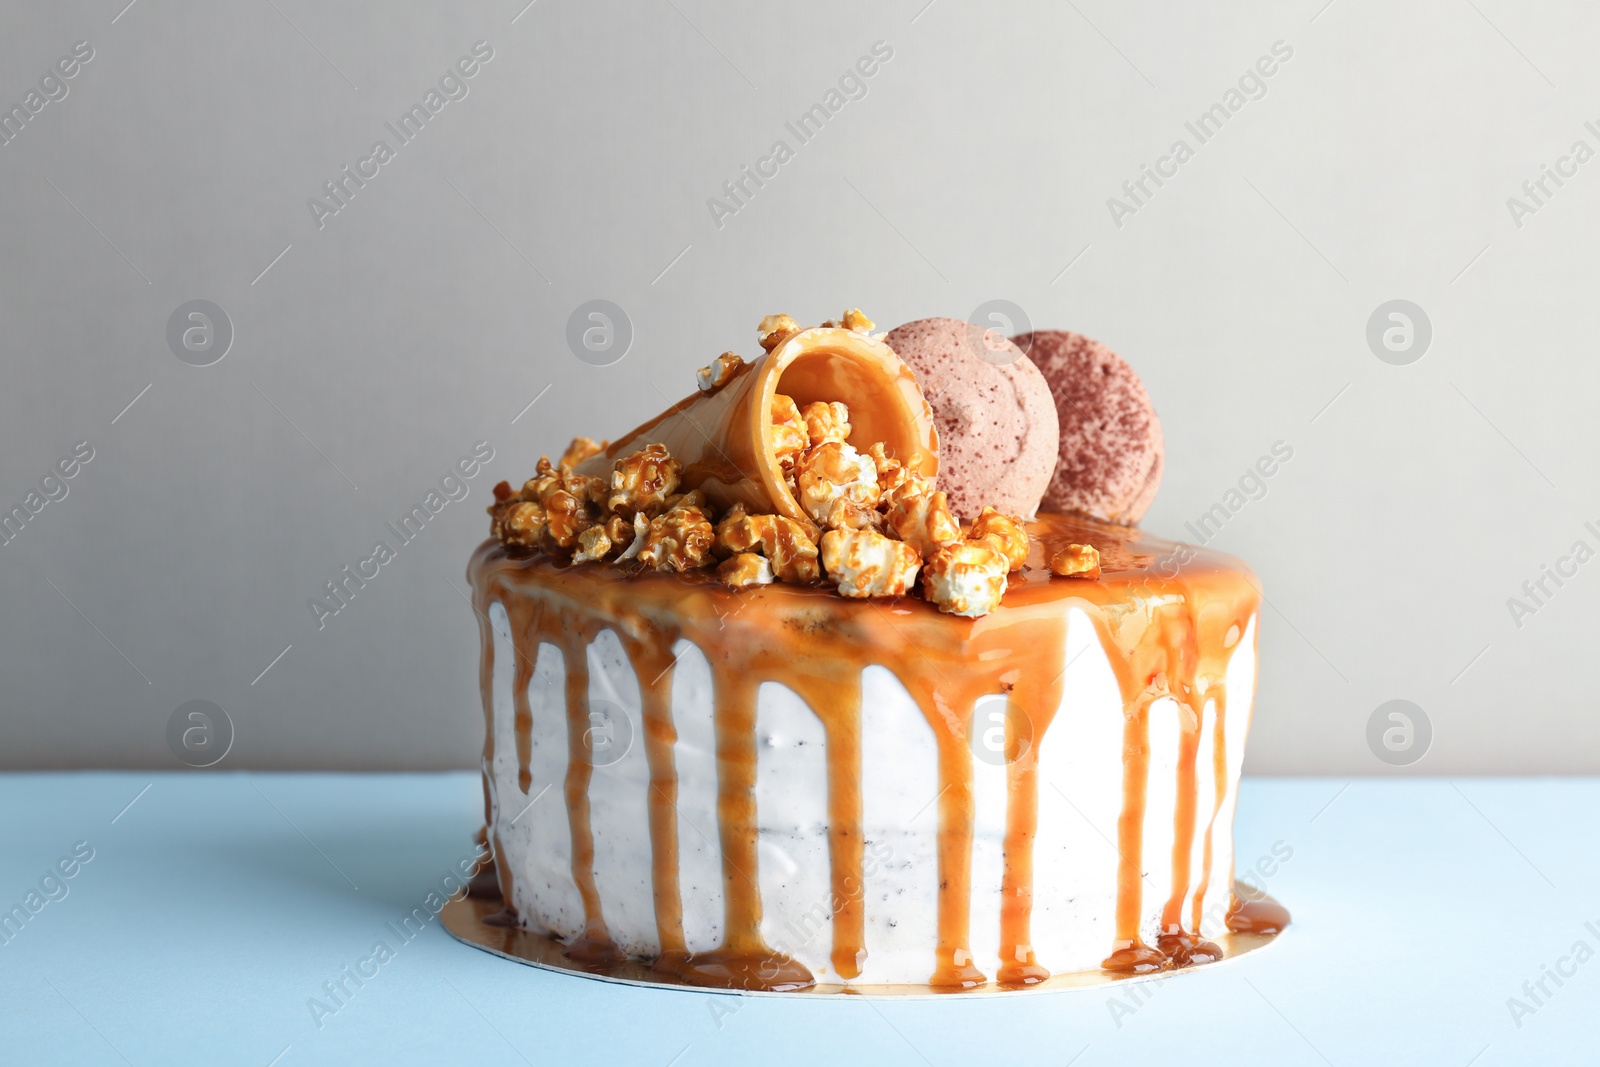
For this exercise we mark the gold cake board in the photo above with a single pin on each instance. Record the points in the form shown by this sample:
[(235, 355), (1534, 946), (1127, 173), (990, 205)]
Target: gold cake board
[(464, 918)]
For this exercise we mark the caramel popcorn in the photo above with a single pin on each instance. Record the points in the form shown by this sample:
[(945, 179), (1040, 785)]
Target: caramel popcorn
[(1004, 533), (550, 479), (618, 529), (774, 330), (1076, 561), (719, 373), (788, 432), (924, 522), (853, 320), (643, 481), (847, 514), (865, 563), (552, 507), (832, 471), (520, 523), (895, 480), (967, 578), (739, 531), (544, 482), (593, 544), (567, 517), (745, 570), (581, 449), (787, 545), (792, 550), (867, 523), (826, 421), (679, 540)]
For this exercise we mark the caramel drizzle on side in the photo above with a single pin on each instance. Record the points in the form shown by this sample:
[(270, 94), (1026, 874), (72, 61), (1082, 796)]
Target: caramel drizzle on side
[(1219, 772), (486, 686), (655, 660), (1032, 707), (1168, 630)]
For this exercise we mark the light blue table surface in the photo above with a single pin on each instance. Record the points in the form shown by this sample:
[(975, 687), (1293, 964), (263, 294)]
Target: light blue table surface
[(216, 906)]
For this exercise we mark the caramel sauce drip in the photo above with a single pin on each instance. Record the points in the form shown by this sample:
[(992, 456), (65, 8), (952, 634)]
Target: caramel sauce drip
[(1031, 708), (838, 705), (655, 659), (501, 871), (594, 946), (745, 960), (1219, 772), (1167, 617), (522, 717)]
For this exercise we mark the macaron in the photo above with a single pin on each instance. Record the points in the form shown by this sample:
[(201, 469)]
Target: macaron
[(1111, 448), (998, 438)]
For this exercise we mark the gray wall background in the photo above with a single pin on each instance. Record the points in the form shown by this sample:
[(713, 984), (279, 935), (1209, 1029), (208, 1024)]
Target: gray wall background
[(371, 353)]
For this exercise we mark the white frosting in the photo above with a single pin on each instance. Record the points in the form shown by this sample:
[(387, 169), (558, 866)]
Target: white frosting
[(1075, 855)]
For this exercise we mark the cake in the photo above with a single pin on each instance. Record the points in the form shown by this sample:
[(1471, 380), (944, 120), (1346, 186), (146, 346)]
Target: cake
[(764, 713)]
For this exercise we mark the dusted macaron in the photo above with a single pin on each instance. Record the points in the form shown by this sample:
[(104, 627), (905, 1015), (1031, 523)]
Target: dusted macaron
[(994, 412), (1111, 444)]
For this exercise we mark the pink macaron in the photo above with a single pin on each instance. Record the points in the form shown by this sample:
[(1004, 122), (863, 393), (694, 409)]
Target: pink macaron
[(1111, 447)]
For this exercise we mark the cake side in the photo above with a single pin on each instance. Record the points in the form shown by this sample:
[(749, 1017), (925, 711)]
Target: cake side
[(804, 761)]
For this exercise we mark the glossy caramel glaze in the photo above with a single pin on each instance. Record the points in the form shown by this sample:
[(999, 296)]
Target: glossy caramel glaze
[(1168, 617)]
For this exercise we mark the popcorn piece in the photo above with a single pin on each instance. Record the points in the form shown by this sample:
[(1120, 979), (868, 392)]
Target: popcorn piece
[(618, 529), (550, 479), (831, 471), (1076, 561), (853, 320), (896, 482), (745, 570), (776, 329), (865, 563), (900, 484), (679, 540), (826, 421), (786, 544), (542, 484), (924, 521), (641, 534), (966, 579), (581, 449), (1003, 532), (643, 481), (521, 523), (788, 432), (585, 487), (846, 514), (739, 531), (792, 550), (593, 544), (720, 372), (567, 517)]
